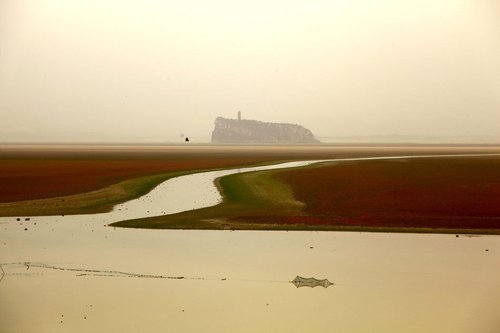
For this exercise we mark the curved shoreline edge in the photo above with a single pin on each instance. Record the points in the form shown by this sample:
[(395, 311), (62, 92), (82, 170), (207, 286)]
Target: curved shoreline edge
[(102, 200), (275, 199)]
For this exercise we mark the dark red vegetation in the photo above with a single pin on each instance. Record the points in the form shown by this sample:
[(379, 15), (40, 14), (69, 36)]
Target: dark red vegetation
[(43, 174), (37, 171), (434, 193)]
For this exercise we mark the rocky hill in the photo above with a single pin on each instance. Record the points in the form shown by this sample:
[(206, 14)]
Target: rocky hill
[(252, 131)]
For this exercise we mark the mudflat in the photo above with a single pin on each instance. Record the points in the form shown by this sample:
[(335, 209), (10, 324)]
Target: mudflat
[(36, 172), (43, 171), (445, 193)]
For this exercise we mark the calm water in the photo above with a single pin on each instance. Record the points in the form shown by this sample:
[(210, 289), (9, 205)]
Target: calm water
[(83, 276)]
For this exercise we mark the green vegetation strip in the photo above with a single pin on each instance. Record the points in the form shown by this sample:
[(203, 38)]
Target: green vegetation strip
[(246, 194), (99, 201), (254, 201)]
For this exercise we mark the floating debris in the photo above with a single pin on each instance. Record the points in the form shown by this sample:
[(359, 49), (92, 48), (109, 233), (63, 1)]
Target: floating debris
[(300, 281), (93, 272), (89, 272)]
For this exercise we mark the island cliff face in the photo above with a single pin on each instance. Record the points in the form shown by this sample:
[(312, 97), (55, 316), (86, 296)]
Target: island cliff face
[(252, 131)]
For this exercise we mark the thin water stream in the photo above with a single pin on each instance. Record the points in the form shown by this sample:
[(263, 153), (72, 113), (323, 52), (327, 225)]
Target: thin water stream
[(76, 274)]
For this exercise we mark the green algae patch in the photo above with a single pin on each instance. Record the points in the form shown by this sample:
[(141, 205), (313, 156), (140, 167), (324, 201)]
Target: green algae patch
[(98, 201), (245, 195), (277, 200)]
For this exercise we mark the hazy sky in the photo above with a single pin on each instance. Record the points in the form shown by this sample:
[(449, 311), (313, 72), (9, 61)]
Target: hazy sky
[(151, 70)]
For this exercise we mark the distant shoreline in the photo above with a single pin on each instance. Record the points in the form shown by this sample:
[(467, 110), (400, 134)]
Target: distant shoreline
[(205, 144)]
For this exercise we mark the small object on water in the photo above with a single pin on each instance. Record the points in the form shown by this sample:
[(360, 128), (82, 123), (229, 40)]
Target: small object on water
[(25, 229), (27, 219), (487, 250), (311, 247), (18, 219), (300, 281), (456, 236)]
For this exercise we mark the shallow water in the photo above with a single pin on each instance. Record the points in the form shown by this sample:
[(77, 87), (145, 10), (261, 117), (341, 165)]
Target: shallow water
[(83, 276), (184, 193)]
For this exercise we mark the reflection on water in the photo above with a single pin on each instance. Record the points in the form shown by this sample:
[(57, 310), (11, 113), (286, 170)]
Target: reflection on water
[(300, 281)]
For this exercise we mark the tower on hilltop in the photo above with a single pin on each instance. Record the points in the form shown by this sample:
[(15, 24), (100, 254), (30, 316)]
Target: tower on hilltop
[(239, 115)]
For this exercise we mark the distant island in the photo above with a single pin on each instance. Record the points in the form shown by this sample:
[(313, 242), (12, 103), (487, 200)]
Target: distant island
[(253, 131)]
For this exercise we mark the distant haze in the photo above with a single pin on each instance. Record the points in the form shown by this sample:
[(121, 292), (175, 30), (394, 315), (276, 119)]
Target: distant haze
[(90, 70)]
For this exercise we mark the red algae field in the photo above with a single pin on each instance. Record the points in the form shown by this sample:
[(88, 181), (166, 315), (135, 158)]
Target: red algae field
[(53, 171), (461, 192), (42, 171)]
